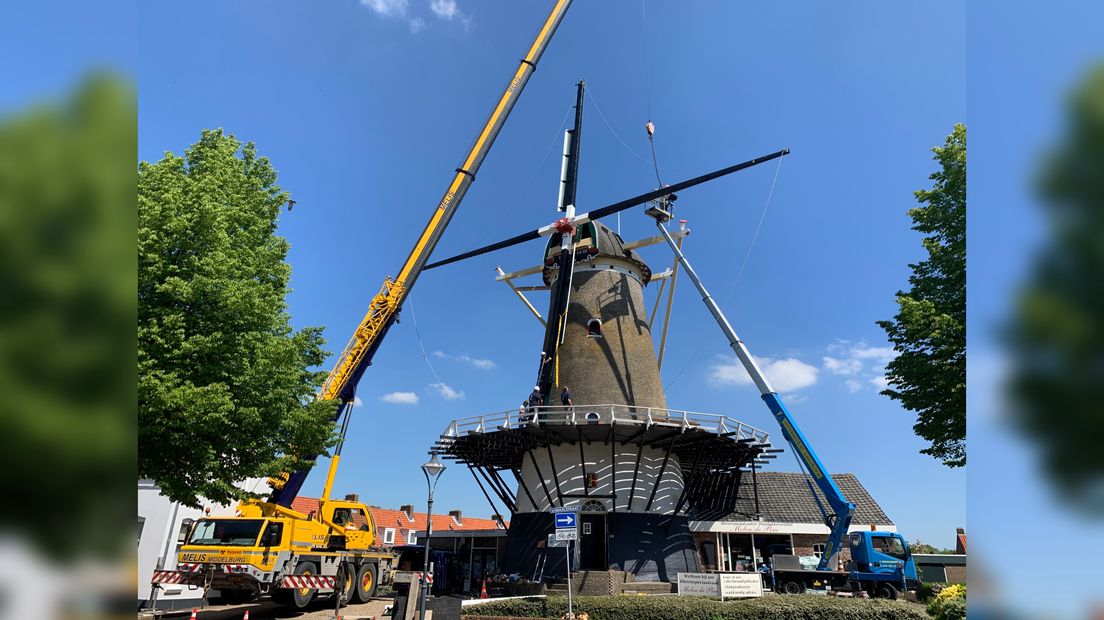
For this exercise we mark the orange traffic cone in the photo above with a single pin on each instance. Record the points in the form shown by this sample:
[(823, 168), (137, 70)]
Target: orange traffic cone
[(194, 612), (483, 590)]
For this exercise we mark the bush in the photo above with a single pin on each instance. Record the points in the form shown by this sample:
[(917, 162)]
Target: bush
[(949, 604), (691, 608), (930, 589)]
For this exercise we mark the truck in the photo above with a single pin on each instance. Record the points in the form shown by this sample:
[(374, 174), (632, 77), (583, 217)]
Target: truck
[(270, 548), (881, 563)]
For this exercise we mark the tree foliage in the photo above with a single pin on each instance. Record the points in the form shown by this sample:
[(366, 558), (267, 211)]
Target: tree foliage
[(1057, 334), (225, 386), (928, 375), (67, 313)]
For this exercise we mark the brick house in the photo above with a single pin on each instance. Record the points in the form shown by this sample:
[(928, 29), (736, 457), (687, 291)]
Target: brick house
[(778, 514)]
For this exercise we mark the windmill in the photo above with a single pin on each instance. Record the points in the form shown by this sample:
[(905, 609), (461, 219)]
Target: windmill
[(632, 467)]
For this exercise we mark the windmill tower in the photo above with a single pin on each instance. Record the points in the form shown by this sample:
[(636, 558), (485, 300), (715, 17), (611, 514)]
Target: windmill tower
[(635, 469)]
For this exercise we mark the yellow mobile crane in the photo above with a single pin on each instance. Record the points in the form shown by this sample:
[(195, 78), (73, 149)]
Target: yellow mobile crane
[(271, 548)]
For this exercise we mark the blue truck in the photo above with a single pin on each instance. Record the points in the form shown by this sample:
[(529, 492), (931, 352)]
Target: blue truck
[(881, 564)]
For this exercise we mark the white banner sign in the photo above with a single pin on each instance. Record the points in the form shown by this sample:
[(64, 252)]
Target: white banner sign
[(746, 585), (699, 584), (723, 585)]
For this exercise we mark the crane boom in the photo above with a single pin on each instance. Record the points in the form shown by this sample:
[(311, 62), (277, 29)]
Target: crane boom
[(839, 521), (384, 308)]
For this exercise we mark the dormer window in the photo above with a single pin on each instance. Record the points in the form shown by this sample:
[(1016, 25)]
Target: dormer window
[(594, 328)]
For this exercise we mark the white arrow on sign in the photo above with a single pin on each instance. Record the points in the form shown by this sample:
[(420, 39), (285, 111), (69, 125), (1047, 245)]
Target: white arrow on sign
[(565, 520)]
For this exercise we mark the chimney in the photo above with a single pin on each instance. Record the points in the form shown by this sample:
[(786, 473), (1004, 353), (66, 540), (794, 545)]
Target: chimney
[(499, 520), (455, 514), (352, 497), (408, 510)]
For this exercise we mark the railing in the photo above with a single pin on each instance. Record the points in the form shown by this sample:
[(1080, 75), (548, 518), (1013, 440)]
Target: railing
[(605, 414)]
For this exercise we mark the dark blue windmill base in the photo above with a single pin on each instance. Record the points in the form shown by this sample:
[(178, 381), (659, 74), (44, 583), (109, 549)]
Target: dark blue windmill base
[(651, 547)]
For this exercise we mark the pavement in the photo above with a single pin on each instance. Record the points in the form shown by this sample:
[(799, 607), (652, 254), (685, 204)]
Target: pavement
[(266, 610)]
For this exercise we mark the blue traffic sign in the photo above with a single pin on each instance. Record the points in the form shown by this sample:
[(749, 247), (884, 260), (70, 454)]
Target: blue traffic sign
[(565, 520)]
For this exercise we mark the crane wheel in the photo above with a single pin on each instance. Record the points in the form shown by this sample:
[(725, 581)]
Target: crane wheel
[(365, 583), (297, 598)]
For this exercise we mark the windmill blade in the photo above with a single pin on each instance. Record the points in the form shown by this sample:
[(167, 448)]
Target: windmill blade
[(522, 238), (611, 209), (678, 187)]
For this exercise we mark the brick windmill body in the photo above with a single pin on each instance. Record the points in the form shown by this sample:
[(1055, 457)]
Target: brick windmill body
[(635, 470)]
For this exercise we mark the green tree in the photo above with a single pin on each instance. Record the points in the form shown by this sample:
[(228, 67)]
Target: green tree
[(67, 314), (1057, 334), (928, 375), (922, 547), (225, 386)]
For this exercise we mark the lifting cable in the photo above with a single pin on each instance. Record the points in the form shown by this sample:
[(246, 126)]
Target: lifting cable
[(418, 333), (649, 126), (739, 273)]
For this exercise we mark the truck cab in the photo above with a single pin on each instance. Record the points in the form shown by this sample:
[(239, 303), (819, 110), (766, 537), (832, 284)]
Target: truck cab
[(882, 557)]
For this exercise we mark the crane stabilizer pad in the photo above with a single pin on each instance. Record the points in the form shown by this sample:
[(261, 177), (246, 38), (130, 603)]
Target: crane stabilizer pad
[(314, 582)]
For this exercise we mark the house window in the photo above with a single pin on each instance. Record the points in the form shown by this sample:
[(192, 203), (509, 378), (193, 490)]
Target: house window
[(818, 549), (411, 537), (388, 536), (594, 328)]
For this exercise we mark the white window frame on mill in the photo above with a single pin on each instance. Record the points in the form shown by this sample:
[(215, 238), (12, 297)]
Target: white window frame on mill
[(594, 328)]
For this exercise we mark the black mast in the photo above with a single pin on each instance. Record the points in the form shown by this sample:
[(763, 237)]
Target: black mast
[(561, 291)]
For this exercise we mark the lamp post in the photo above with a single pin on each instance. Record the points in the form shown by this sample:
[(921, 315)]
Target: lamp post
[(432, 470)]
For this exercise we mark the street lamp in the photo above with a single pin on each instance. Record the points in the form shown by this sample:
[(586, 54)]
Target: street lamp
[(432, 470)]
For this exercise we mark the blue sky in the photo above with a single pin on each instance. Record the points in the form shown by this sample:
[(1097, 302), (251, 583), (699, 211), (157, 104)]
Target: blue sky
[(366, 108)]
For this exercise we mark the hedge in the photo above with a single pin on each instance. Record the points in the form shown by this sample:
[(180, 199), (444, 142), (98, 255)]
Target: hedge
[(799, 607)]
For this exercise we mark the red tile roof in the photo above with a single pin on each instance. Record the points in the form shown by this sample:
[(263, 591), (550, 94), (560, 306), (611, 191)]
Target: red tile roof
[(397, 520)]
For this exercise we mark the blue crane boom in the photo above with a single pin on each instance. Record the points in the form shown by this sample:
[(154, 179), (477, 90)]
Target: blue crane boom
[(839, 520)]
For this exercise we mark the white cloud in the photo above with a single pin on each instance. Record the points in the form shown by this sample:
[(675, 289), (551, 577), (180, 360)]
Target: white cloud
[(478, 362), (880, 382), (848, 358), (417, 25), (400, 398), (880, 355), (357, 402), (445, 9), (446, 391), (387, 8), (838, 366), (786, 375)]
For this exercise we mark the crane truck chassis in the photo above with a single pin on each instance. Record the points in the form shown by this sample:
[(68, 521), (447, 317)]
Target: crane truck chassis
[(292, 556)]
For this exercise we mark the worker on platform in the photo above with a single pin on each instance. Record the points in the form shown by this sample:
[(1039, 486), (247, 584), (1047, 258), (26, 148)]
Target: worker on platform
[(535, 399), (565, 397)]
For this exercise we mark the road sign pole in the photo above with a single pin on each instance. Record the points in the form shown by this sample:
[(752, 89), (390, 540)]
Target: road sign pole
[(570, 613)]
